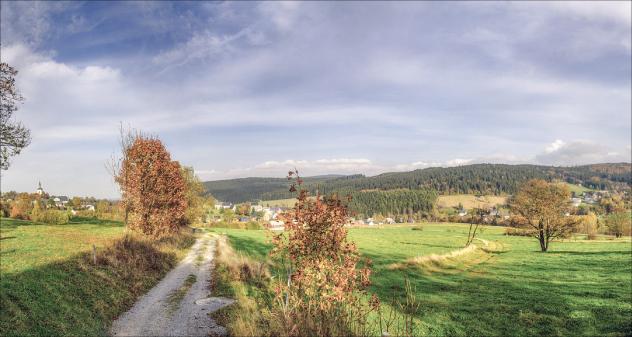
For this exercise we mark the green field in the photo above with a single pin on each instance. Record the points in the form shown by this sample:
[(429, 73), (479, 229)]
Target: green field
[(50, 286), (578, 189), (578, 288), (278, 203)]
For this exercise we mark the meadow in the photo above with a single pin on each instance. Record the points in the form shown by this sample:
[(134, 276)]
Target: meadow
[(469, 201), (50, 285), (579, 287)]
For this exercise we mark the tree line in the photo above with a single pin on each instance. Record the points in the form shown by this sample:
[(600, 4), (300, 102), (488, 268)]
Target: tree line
[(394, 203), (495, 179)]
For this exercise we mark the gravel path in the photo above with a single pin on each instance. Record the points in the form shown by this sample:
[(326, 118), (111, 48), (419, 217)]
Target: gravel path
[(180, 303)]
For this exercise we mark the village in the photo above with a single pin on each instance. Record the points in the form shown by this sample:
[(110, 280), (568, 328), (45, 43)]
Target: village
[(261, 214)]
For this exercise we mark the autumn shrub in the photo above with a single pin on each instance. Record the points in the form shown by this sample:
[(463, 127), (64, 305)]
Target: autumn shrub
[(511, 231), (21, 207), (153, 188), (324, 286)]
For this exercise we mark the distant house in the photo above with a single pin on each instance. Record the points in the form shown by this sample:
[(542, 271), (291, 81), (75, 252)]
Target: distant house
[(390, 221), (257, 208), (276, 225), (370, 222), (462, 212), (576, 202), (224, 205), (89, 207), (61, 200)]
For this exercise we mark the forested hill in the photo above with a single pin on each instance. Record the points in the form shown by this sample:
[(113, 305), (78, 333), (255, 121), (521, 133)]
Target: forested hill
[(469, 179)]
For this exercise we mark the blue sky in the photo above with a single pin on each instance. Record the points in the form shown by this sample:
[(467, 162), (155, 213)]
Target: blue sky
[(242, 89)]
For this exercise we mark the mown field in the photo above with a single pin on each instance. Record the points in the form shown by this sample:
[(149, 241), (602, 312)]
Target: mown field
[(51, 287), (577, 288), (470, 201)]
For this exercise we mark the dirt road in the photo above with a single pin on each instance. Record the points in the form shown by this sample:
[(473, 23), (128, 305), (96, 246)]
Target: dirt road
[(180, 303)]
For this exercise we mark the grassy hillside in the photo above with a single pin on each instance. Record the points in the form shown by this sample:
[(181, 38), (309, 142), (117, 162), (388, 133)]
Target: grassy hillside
[(489, 179), (578, 189), (279, 202), (579, 288), (51, 287)]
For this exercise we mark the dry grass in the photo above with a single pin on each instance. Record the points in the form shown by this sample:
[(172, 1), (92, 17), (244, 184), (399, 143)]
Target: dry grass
[(454, 261), (247, 281), (470, 201)]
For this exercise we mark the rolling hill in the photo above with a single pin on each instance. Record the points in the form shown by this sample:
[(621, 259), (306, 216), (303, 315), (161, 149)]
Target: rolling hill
[(491, 179)]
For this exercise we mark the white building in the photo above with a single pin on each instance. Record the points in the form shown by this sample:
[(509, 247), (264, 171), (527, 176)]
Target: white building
[(277, 225)]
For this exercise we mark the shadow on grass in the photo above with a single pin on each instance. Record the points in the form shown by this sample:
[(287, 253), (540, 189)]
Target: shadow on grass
[(604, 253), (248, 246), (471, 303), (94, 221), (8, 223), (74, 297)]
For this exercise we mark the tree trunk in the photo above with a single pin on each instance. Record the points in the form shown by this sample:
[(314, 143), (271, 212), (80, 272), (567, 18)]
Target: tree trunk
[(543, 245)]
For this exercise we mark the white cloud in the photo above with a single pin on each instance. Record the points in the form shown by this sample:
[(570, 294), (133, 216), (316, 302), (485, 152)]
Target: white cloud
[(556, 145), (282, 13), (617, 11), (579, 152)]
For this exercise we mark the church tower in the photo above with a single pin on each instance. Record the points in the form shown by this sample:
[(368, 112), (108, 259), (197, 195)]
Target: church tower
[(40, 190)]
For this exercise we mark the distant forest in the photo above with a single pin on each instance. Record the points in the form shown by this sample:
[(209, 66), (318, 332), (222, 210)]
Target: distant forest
[(495, 179)]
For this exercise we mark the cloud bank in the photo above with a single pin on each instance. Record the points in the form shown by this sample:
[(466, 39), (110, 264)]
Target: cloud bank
[(235, 89)]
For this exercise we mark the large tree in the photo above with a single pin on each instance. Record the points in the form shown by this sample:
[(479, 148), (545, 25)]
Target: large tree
[(545, 206), (13, 135), (194, 194), (619, 223), (153, 189)]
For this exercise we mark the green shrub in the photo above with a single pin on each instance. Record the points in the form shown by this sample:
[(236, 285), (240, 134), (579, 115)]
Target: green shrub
[(253, 225), (51, 217)]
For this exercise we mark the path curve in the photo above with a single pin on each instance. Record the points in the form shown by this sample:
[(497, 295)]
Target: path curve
[(162, 313)]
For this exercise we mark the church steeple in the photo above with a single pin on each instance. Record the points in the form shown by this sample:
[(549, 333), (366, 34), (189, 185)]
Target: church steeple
[(39, 190)]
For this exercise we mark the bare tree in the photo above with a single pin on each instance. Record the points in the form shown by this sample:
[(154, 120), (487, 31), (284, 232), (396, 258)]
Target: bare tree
[(13, 135), (114, 165), (471, 235)]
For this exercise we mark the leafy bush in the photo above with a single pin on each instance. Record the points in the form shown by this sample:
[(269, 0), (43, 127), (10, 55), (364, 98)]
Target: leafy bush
[(51, 217), (251, 225), (516, 232)]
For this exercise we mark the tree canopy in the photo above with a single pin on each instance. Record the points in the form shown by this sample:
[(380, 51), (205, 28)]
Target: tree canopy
[(13, 135)]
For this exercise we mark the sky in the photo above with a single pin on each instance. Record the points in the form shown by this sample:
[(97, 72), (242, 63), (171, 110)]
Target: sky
[(240, 89)]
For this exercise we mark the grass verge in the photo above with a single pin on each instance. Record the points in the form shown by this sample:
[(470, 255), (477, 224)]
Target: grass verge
[(248, 282), (50, 285)]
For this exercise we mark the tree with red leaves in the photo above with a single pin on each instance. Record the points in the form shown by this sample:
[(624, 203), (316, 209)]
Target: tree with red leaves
[(153, 189)]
